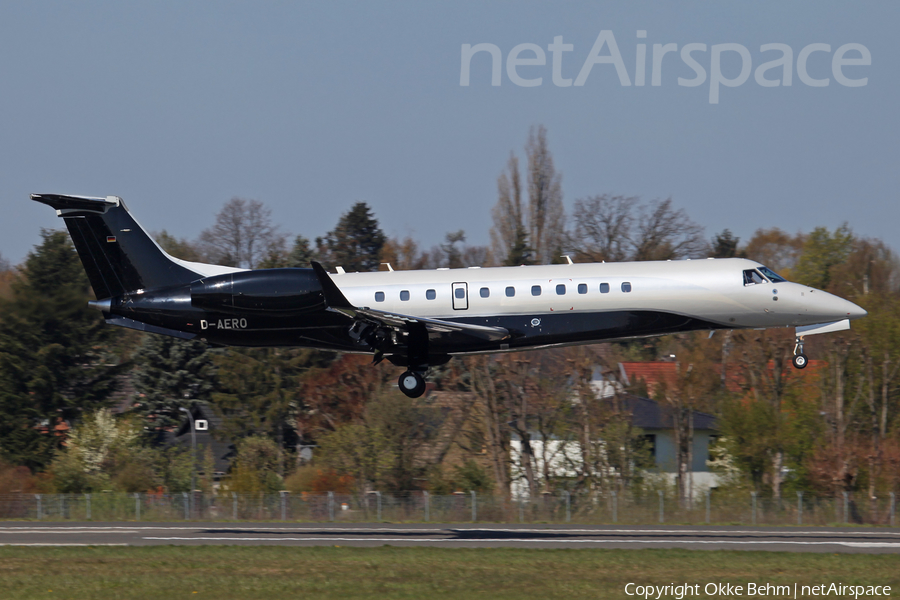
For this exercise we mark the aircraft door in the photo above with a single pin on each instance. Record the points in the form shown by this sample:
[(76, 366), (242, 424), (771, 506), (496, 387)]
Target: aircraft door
[(460, 296)]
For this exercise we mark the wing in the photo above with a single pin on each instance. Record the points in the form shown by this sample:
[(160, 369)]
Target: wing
[(445, 331)]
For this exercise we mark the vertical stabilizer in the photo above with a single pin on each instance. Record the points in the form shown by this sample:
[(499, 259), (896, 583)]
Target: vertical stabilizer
[(116, 252)]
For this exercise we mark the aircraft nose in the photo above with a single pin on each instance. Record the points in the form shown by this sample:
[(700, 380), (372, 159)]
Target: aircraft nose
[(833, 308), (855, 311), (844, 309)]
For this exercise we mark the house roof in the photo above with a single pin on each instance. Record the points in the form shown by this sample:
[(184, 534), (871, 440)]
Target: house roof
[(648, 414), (223, 451)]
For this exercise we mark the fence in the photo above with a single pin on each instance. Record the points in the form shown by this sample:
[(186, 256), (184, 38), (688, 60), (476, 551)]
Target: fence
[(610, 508)]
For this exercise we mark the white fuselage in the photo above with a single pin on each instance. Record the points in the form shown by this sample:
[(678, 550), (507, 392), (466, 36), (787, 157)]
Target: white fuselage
[(712, 290)]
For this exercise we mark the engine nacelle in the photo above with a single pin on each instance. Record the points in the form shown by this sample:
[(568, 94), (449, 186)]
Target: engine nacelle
[(279, 291)]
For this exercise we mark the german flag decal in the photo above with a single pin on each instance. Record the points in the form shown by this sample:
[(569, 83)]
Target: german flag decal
[(110, 238)]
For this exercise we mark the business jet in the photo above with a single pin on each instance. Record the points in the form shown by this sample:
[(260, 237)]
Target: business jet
[(419, 319)]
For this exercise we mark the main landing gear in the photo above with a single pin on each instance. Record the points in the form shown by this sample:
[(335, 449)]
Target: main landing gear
[(800, 360), (412, 384)]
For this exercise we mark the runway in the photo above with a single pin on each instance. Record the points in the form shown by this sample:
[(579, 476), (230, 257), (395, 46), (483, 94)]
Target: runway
[(790, 539)]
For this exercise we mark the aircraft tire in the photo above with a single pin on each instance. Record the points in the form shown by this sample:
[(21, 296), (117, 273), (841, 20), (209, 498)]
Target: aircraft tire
[(412, 384), (800, 361)]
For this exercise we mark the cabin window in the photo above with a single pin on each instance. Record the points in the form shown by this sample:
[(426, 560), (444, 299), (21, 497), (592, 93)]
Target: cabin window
[(485, 292), (582, 288), (535, 290), (752, 277), (604, 288), (459, 293), (561, 289), (510, 292), (404, 295), (430, 294), (626, 286), (379, 296)]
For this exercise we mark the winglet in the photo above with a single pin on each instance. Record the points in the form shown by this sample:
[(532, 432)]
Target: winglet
[(334, 298)]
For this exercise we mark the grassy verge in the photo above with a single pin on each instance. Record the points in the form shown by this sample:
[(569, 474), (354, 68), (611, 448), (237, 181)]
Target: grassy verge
[(272, 573)]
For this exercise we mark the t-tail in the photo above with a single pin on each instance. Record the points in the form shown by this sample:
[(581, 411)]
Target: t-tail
[(116, 252)]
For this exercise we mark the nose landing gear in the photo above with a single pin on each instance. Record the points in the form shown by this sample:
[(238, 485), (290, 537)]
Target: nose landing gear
[(800, 360)]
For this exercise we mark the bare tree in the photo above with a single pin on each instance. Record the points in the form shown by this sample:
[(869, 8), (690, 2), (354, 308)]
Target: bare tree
[(617, 228), (509, 238), (603, 227), (4, 264), (546, 216), (536, 233), (663, 233), (243, 234)]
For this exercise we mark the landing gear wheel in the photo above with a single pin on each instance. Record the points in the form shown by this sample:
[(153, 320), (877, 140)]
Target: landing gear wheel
[(412, 384), (800, 361)]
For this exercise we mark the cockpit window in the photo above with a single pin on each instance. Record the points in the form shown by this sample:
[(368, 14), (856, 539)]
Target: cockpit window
[(752, 277), (772, 275)]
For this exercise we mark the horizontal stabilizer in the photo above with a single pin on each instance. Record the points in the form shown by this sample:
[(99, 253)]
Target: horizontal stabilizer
[(132, 324)]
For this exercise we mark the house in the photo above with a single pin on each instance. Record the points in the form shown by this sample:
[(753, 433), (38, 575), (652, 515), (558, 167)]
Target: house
[(206, 424), (658, 426)]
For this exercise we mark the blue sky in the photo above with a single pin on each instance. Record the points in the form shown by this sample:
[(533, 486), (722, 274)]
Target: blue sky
[(310, 107)]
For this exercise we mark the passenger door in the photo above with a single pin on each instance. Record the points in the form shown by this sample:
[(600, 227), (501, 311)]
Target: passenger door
[(460, 294)]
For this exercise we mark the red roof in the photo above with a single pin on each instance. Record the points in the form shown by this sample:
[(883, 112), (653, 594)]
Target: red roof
[(655, 373)]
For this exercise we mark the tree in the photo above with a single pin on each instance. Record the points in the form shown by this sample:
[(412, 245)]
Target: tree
[(360, 450), (103, 452), (603, 227), (301, 254), (182, 248), (402, 255), (823, 250), (617, 228), (546, 216), (664, 233), (724, 245), (55, 360), (774, 248), (355, 243), (4, 264), (170, 374), (258, 391), (536, 233), (257, 467), (509, 237), (243, 234)]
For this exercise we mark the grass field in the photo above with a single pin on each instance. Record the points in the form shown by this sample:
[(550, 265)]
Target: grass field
[(272, 573)]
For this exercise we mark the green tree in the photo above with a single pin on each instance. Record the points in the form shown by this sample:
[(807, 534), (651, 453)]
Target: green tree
[(103, 452), (55, 355), (301, 253), (169, 374), (256, 467), (258, 391), (724, 245), (179, 248), (356, 243), (822, 251)]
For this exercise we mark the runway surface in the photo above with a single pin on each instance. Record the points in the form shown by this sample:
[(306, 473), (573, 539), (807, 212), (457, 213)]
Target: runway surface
[(799, 539)]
